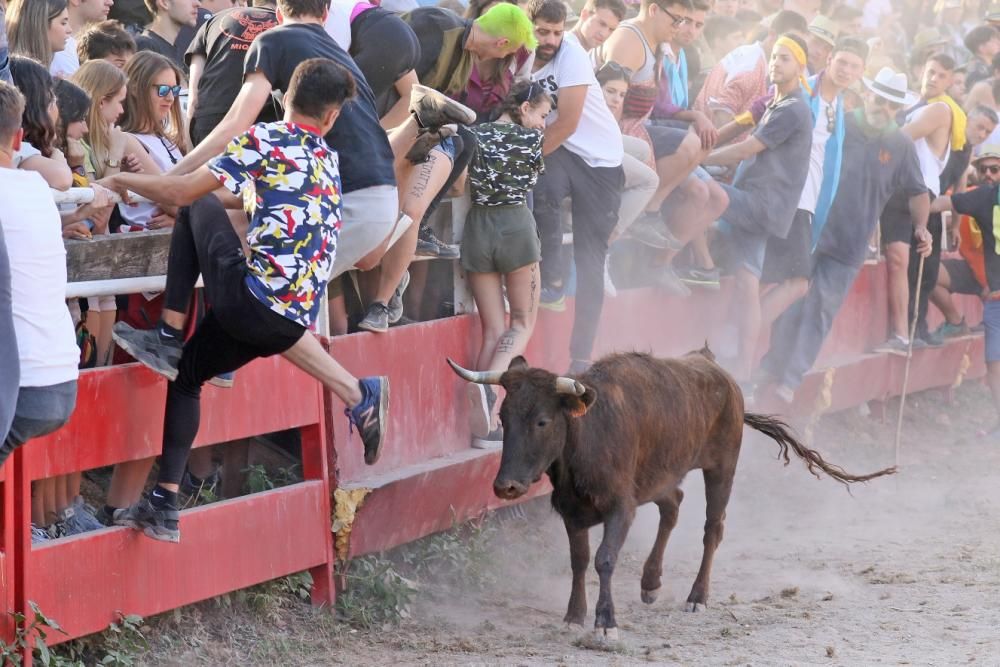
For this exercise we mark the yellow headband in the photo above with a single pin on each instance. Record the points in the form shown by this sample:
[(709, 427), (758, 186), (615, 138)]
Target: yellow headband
[(798, 54), (792, 45)]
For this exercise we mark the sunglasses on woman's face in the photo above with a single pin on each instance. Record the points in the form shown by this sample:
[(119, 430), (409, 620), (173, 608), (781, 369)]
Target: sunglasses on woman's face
[(615, 68), (162, 90), (991, 169)]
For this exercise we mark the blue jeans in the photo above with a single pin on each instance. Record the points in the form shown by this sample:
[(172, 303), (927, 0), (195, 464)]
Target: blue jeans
[(798, 334), (40, 411)]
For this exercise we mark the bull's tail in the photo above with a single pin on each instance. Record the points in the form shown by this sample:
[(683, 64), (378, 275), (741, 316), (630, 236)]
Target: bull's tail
[(778, 431)]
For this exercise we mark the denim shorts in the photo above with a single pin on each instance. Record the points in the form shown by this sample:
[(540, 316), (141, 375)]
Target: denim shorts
[(991, 320), (447, 146), (40, 411)]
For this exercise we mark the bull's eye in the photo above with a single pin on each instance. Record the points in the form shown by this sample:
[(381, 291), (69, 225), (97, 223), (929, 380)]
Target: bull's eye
[(543, 422)]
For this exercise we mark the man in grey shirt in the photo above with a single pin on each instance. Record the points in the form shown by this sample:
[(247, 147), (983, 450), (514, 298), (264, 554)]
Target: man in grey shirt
[(879, 160), (774, 163)]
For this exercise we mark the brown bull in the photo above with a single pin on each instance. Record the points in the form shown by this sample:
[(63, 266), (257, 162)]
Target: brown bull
[(623, 434)]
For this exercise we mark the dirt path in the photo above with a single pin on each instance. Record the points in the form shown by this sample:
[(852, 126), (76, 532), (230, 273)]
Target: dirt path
[(905, 571)]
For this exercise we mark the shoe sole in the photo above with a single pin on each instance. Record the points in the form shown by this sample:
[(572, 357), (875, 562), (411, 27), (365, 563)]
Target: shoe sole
[(554, 306), (136, 353), (172, 537), (479, 443), (469, 114), (479, 414), (371, 458), (365, 326), (219, 382)]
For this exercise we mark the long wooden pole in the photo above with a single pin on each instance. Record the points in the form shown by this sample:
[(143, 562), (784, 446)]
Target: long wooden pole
[(909, 356)]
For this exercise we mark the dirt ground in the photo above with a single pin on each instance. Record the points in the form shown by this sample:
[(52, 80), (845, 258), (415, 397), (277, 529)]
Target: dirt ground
[(904, 571)]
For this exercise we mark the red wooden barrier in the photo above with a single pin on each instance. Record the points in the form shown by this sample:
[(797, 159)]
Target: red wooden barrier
[(84, 582)]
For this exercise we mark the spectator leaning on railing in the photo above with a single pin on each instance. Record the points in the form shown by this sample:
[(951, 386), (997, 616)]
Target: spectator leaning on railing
[(45, 341)]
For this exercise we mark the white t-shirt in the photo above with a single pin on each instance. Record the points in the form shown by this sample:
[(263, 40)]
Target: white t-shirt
[(66, 62), (338, 22), (46, 341), (24, 152), (821, 133), (597, 138)]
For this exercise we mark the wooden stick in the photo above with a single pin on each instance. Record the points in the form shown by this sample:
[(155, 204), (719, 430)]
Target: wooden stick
[(909, 356)]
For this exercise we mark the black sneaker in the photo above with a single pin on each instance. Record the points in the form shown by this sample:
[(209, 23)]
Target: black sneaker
[(150, 348), (434, 109), (429, 245), (376, 319), (369, 416), (159, 524), (396, 301)]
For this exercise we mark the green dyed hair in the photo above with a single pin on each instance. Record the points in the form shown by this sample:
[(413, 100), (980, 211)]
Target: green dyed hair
[(509, 21)]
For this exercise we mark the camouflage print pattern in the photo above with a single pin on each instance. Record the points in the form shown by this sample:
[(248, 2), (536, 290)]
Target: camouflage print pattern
[(507, 163)]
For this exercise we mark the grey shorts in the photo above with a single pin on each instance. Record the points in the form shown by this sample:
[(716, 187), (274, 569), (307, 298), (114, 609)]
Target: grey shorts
[(790, 257), (747, 241), (499, 239), (666, 140), (39, 411), (963, 280), (991, 321), (369, 216)]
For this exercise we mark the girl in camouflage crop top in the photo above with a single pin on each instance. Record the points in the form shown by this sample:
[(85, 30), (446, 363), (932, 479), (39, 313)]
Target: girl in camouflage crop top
[(500, 243)]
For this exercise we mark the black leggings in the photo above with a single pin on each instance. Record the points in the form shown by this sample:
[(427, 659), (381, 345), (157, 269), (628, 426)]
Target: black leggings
[(236, 330)]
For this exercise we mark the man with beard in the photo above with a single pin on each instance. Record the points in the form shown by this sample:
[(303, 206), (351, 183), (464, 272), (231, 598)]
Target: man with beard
[(583, 157), (878, 160), (787, 263), (767, 187), (936, 125)]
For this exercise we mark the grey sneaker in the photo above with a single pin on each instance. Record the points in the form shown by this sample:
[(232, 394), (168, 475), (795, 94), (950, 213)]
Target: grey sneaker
[(396, 301), (150, 348), (84, 517), (159, 524), (481, 401), (948, 330), (899, 345), (493, 440), (428, 245), (376, 319), (647, 232), (434, 109), (669, 281)]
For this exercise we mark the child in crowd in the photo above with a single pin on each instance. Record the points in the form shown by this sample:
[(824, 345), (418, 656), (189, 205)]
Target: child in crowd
[(108, 150), (500, 243)]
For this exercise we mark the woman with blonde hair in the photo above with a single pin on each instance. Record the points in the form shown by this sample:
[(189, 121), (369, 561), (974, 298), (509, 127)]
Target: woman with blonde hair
[(37, 29)]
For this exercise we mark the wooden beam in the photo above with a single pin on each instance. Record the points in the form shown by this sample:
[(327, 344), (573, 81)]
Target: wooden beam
[(116, 256)]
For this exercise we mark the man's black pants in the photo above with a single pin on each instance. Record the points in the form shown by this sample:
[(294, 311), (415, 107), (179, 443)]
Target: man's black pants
[(596, 193), (237, 329)]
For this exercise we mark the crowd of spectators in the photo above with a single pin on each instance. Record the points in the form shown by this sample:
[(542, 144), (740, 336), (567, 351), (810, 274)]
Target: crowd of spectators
[(777, 143)]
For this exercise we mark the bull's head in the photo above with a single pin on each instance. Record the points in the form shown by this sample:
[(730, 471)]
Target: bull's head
[(535, 415)]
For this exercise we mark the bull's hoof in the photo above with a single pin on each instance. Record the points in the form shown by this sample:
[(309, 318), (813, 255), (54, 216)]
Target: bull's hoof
[(695, 606), (649, 597), (573, 627), (606, 635)]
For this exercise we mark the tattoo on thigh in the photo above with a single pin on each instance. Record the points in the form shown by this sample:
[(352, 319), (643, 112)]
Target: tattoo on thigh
[(422, 181), (534, 287)]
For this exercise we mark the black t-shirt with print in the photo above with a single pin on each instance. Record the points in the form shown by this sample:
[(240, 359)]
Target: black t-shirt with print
[(151, 41), (365, 155), (979, 204), (224, 41)]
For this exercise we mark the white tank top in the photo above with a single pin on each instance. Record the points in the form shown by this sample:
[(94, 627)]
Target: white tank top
[(931, 166), (165, 154)]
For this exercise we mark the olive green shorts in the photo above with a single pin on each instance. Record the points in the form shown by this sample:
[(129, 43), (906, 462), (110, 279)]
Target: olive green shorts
[(500, 239)]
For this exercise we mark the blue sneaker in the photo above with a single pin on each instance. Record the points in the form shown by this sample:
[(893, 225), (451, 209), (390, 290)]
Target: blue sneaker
[(552, 298), (224, 380), (369, 416)]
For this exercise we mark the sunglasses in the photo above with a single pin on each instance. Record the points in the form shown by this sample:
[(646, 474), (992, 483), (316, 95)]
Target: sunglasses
[(163, 90), (888, 104), (991, 169), (529, 93), (619, 71)]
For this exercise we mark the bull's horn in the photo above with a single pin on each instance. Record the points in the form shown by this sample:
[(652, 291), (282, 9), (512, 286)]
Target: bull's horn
[(569, 386), (479, 377)]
